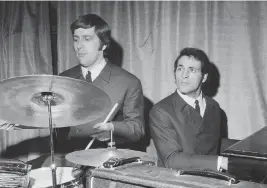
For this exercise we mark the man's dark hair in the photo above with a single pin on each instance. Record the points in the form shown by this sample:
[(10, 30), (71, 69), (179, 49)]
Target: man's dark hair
[(102, 29), (198, 55)]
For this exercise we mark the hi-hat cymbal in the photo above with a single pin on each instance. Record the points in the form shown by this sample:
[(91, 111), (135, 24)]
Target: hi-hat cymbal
[(96, 157), (74, 102)]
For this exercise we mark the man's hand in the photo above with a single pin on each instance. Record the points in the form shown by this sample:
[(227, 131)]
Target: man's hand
[(103, 131), (103, 136), (103, 127)]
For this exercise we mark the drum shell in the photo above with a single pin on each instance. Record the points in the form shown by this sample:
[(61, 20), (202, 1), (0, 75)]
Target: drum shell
[(42, 178), (14, 173)]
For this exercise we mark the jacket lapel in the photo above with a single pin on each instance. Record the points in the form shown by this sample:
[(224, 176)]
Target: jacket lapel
[(208, 114), (104, 76), (76, 72), (179, 106)]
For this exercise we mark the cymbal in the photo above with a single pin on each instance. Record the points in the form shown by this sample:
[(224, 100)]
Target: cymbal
[(96, 157), (74, 102)]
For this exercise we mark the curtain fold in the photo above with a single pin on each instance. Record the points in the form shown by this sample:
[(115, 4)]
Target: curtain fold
[(25, 50)]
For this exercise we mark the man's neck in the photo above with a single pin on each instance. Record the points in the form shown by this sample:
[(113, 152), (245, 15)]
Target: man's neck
[(96, 63), (192, 96)]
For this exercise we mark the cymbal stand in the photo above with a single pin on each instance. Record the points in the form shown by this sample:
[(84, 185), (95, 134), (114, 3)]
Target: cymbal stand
[(48, 97), (111, 144)]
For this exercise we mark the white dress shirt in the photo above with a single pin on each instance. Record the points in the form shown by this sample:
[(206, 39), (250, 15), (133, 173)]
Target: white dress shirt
[(95, 69)]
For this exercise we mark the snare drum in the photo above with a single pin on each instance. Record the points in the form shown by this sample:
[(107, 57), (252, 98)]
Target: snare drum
[(42, 178)]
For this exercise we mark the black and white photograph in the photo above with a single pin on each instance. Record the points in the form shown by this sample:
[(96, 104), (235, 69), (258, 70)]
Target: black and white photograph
[(133, 94)]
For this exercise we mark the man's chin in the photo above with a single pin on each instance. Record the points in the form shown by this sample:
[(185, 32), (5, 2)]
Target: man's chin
[(84, 64), (184, 90), (188, 92)]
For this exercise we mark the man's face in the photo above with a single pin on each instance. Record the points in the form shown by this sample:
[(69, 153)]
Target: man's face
[(188, 76), (86, 45)]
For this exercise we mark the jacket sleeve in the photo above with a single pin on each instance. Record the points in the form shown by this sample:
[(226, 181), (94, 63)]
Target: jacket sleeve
[(169, 148), (132, 125)]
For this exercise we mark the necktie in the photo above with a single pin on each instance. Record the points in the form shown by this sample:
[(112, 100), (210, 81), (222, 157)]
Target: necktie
[(197, 106), (88, 77)]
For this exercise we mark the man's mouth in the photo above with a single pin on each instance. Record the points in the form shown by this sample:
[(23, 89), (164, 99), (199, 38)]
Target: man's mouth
[(81, 54)]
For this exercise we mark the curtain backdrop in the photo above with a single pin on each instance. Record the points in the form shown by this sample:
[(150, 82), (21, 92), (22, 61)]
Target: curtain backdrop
[(151, 34), (25, 50), (147, 39)]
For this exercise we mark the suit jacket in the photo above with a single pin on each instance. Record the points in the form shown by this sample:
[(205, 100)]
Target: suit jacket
[(183, 138), (124, 88)]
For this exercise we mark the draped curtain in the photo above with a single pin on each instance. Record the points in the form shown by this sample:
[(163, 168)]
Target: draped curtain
[(25, 50), (148, 36)]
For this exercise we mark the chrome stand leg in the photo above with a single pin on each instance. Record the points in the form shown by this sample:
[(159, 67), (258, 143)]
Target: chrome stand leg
[(111, 144), (48, 97)]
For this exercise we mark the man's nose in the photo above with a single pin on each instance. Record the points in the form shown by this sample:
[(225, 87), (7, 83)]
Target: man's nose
[(185, 73), (79, 45)]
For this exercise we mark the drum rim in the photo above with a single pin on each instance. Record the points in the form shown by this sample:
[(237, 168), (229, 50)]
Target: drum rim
[(76, 181)]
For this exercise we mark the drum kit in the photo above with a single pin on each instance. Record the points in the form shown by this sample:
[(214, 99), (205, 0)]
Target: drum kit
[(49, 101)]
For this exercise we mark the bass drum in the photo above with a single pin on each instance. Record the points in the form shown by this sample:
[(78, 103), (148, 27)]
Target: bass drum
[(42, 178)]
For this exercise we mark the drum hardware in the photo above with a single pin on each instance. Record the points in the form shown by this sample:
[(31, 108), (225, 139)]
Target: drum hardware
[(27, 99), (209, 173), (8, 126), (14, 167), (65, 178), (114, 162), (14, 127), (109, 117), (83, 167), (48, 97), (75, 102), (96, 157), (14, 173)]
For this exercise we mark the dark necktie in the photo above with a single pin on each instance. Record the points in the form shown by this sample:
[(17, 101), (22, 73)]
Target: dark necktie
[(88, 77), (197, 106)]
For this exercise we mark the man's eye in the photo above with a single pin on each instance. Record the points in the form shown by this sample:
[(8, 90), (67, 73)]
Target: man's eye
[(88, 38), (75, 39), (179, 68), (193, 70)]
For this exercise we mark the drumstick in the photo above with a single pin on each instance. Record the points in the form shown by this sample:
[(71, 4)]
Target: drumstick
[(108, 118)]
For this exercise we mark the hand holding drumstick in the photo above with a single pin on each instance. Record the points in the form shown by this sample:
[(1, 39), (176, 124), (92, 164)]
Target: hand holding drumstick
[(104, 126), (109, 117)]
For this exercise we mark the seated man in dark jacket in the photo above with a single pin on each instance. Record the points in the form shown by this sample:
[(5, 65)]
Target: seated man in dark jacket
[(185, 126)]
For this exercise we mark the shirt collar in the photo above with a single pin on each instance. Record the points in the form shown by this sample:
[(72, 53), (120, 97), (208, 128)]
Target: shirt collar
[(191, 101), (95, 69)]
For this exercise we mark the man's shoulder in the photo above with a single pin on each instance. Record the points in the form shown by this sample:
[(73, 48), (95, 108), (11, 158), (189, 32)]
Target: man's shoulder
[(71, 72), (164, 103), (120, 72), (211, 101)]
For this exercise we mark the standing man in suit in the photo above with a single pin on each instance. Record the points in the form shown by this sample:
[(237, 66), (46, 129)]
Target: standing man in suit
[(185, 126), (91, 37)]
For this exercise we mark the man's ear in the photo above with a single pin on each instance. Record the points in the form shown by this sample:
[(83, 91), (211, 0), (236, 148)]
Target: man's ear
[(205, 76)]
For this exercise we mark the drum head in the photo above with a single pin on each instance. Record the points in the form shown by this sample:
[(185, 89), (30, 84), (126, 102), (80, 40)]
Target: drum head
[(42, 177)]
